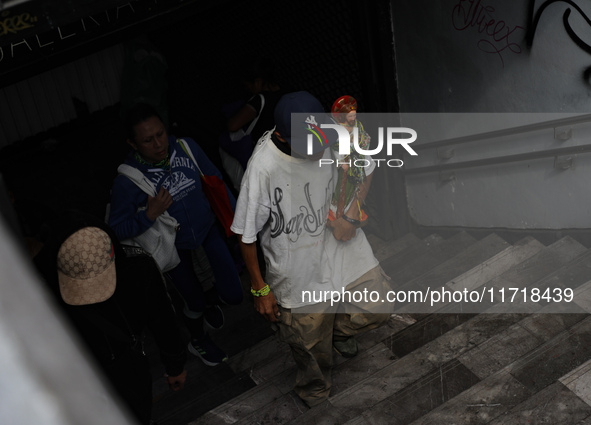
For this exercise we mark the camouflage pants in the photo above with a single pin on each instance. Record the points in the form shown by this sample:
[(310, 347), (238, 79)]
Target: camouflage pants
[(310, 335)]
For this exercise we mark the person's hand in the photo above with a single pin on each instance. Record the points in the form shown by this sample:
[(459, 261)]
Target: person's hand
[(342, 230), (177, 383), (158, 204), (267, 307)]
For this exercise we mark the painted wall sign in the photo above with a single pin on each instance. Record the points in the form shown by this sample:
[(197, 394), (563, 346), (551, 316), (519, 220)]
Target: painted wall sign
[(30, 36)]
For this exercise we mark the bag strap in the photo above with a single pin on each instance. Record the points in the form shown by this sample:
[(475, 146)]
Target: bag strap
[(138, 178), (187, 150), (254, 122), (145, 185)]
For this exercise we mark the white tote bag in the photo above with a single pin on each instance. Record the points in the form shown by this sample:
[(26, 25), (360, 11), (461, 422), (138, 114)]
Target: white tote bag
[(158, 240)]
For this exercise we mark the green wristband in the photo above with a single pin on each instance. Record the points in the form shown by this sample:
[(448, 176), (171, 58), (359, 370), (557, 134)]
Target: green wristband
[(264, 291)]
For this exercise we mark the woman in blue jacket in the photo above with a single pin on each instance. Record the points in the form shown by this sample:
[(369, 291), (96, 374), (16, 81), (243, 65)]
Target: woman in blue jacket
[(175, 176)]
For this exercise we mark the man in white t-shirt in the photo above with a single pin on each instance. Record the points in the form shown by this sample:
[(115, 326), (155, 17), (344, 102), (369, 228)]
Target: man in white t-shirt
[(284, 202)]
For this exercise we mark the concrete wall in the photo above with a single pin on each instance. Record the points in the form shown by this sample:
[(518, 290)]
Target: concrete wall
[(461, 56)]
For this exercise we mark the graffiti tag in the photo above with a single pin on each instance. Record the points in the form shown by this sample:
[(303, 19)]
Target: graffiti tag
[(535, 20), (498, 36), (13, 24)]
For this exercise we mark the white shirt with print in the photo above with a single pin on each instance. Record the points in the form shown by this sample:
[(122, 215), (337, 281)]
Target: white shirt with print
[(284, 201)]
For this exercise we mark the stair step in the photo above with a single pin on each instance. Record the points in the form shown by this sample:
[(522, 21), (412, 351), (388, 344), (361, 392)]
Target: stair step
[(445, 374), (422, 337), (475, 254), (445, 367), (529, 333), (496, 265), (429, 258), (401, 259), (502, 267), (258, 353), (470, 257), (205, 387), (349, 373), (555, 404), (522, 275), (240, 407), (572, 276), (579, 381), (272, 359), (583, 296), (540, 265), (276, 375), (414, 365), (524, 391), (516, 341), (383, 250), (431, 390), (185, 407)]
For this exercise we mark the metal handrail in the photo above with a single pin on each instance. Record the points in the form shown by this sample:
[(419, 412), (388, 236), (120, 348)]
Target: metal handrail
[(505, 132), (500, 159)]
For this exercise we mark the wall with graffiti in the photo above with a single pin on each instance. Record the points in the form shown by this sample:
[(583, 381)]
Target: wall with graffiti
[(493, 55), (504, 61)]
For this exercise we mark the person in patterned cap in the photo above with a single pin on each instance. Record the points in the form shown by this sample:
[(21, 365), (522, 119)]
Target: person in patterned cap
[(86, 267), (110, 299)]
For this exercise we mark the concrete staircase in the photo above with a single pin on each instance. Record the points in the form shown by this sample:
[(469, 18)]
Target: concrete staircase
[(456, 363)]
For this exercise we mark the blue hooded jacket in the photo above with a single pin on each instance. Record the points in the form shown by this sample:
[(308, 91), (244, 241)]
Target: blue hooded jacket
[(190, 206)]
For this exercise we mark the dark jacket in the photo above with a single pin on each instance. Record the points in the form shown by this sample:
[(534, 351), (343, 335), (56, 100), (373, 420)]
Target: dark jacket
[(190, 206), (113, 330)]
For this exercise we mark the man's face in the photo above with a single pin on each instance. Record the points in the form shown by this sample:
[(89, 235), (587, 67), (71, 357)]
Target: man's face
[(351, 117), (151, 140)]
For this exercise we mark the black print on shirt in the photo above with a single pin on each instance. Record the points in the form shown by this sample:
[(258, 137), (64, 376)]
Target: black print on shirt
[(310, 219)]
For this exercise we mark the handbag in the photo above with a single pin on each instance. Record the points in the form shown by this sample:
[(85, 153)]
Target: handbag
[(158, 240), (216, 193)]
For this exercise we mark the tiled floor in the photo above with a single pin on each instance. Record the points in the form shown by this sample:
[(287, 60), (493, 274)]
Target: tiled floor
[(447, 367)]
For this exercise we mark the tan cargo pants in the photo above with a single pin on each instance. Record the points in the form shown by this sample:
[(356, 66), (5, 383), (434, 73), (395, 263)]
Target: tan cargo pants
[(310, 335)]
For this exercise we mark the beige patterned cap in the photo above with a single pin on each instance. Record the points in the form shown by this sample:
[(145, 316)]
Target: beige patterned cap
[(86, 267)]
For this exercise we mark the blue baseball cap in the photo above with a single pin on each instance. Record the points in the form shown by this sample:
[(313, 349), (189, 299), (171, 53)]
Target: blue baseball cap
[(298, 115)]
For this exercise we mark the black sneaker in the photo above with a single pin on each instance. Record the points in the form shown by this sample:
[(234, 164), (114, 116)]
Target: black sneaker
[(214, 317), (207, 351)]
